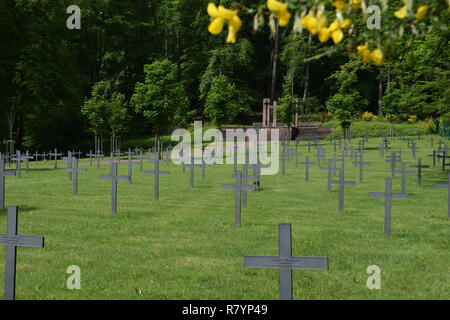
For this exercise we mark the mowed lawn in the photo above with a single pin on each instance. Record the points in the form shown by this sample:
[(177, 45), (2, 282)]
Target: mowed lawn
[(185, 246)]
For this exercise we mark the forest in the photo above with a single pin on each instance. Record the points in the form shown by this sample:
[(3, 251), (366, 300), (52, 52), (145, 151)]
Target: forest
[(60, 86)]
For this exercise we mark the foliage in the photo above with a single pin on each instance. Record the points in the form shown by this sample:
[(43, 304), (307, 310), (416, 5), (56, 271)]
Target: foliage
[(225, 101), (161, 99), (287, 104)]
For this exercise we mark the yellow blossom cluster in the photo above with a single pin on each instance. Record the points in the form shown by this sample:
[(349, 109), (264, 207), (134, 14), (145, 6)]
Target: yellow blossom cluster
[(376, 56), (402, 13), (219, 16)]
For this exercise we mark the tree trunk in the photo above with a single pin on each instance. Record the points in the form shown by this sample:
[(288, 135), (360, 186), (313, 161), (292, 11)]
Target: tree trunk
[(274, 63), (305, 90)]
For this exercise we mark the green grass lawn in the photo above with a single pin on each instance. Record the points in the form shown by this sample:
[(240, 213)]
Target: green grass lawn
[(185, 246)]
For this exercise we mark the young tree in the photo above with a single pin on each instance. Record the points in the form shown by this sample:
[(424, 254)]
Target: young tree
[(347, 103), (225, 103), (161, 99), (287, 106)]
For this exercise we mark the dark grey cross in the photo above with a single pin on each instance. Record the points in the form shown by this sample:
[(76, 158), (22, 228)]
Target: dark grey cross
[(55, 155), (75, 154), (285, 262), (419, 168), (98, 156), (442, 186), (3, 173), (336, 160), (431, 141), (69, 160), (114, 178), (156, 172), (403, 172), (36, 156), (334, 144), (434, 155), (90, 155), (393, 159), (342, 183), (256, 177), (191, 166), (414, 149), (245, 177), (361, 164), (75, 170), (330, 169), (307, 164), (284, 157), (141, 158), (321, 153), (443, 157), (388, 196), (12, 240), (18, 159), (27, 157), (381, 149), (238, 188), (130, 164)]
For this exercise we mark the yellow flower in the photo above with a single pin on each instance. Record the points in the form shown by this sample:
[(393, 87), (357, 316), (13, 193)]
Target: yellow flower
[(219, 15), (337, 35), (377, 57), (312, 25), (401, 13), (216, 26), (281, 10), (355, 4), (421, 11), (322, 21), (212, 10), (364, 51), (340, 5), (234, 25), (335, 25), (346, 24), (305, 20), (324, 34)]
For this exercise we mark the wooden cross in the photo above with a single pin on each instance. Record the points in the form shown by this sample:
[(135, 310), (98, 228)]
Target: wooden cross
[(75, 170), (307, 164), (342, 182), (285, 262), (114, 178), (419, 168), (388, 196), (12, 240), (238, 188), (403, 172), (3, 173), (55, 155), (442, 186), (156, 172)]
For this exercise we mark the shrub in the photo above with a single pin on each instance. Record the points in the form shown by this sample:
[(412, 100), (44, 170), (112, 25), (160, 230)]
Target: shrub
[(367, 116), (412, 119), (430, 127)]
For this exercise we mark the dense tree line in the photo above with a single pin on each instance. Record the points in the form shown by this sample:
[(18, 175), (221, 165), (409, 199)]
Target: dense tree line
[(126, 51)]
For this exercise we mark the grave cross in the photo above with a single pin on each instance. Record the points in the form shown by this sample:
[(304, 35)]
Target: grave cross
[(330, 169), (238, 188), (12, 240), (69, 159), (442, 186), (75, 170), (431, 141), (403, 172), (141, 158), (413, 149), (18, 158), (3, 173), (361, 164), (283, 158), (191, 166), (156, 172), (98, 156), (393, 159), (27, 157), (419, 168), (285, 262), (381, 149), (342, 182), (55, 155), (256, 177), (130, 164), (90, 155), (114, 178), (388, 196), (434, 155), (307, 164), (321, 153)]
